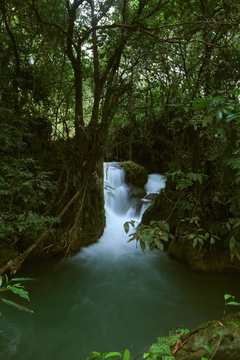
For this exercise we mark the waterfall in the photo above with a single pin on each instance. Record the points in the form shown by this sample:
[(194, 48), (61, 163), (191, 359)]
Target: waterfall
[(116, 193)]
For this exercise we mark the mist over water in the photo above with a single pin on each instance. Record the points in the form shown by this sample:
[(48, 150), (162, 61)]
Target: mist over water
[(110, 296)]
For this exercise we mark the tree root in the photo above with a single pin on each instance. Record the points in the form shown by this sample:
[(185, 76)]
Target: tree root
[(13, 265)]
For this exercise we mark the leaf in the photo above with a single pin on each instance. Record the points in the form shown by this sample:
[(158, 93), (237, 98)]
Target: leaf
[(228, 225), (234, 324), (236, 224), (167, 227), (17, 306), (221, 131), (218, 331), (232, 117), (206, 120), (160, 245), (192, 236), (164, 237), (227, 296), (126, 355), (1, 280), (21, 292), (212, 241), (219, 115), (132, 238), (22, 279), (143, 246), (232, 243), (114, 353), (149, 239), (233, 303), (126, 227), (152, 246), (195, 242), (207, 347)]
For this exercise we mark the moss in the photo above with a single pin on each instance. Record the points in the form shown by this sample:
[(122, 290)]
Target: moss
[(135, 174)]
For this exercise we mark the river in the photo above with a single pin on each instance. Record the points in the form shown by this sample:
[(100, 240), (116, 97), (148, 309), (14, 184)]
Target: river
[(110, 296)]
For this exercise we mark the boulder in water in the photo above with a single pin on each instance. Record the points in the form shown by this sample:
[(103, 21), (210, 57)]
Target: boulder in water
[(151, 196), (135, 174), (134, 191)]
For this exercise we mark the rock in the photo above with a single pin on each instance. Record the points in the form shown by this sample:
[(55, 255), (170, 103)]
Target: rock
[(134, 191), (225, 344), (216, 261), (135, 174), (151, 196)]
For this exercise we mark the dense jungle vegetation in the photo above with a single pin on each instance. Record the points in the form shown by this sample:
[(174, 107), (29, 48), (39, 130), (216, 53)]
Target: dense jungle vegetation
[(152, 81)]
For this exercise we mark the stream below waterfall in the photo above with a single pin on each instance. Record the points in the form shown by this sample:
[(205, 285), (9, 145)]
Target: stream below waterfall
[(110, 296)]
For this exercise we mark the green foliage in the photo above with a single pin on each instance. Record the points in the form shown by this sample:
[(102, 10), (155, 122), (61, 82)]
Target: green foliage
[(199, 235), (24, 189), (154, 235), (164, 346), (226, 297), (183, 181), (110, 355), (16, 289)]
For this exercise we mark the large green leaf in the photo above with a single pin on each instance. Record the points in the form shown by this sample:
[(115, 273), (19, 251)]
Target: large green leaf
[(233, 303), (227, 296), (126, 355), (113, 353), (17, 306), (21, 292)]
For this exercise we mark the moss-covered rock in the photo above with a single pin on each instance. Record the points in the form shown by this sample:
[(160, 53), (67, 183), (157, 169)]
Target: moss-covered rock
[(135, 174), (224, 340)]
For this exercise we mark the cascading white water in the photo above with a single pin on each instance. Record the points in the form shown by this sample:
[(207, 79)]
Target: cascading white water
[(155, 183), (117, 199), (115, 192)]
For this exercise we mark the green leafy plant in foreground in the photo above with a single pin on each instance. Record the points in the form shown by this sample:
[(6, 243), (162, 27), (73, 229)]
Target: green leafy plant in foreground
[(162, 348), (110, 355), (125, 356), (6, 284)]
